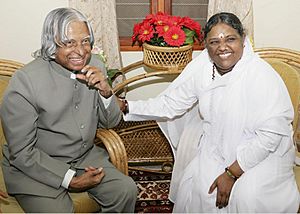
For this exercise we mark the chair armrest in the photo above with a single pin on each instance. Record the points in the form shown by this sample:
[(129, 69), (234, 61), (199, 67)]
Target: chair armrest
[(115, 147)]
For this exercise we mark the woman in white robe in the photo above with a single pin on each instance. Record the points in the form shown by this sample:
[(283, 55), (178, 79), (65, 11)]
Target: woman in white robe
[(228, 118)]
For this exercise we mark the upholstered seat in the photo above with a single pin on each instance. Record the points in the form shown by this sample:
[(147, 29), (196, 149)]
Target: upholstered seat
[(82, 202)]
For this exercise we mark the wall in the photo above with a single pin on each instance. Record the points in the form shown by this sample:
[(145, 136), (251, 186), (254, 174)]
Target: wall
[(276, 23), (21, 25)]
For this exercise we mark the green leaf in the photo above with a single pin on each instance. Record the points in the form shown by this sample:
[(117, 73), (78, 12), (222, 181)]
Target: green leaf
[(189, 40), (188, 32), (190, 36), (111, 75)]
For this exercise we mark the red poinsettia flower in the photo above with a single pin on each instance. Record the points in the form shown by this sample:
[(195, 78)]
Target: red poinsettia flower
[(150, 19), (162, 29), (160, 19), (191, 24), (175, 36), (176, 20), (136, 30), (146, 32), (155, 29)]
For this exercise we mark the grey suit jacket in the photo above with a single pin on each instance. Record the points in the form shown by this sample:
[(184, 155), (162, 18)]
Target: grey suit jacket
[(49, 121)]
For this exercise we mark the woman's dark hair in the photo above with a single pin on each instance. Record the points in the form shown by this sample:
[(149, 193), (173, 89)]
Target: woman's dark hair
[(226, 18)]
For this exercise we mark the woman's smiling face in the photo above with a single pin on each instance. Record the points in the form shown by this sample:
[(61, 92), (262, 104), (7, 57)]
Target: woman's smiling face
[(224, 45)]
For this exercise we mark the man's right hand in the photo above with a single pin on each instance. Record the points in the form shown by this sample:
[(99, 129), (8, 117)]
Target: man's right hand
[(90, 178)]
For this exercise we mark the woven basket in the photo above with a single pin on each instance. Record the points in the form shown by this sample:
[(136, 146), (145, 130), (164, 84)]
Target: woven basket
[(167, 58)]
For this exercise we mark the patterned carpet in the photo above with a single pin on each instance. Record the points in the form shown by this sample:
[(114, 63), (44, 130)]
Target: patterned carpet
[(153, 192)]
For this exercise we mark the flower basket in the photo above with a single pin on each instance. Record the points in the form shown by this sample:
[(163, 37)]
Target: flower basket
[(167, 58)]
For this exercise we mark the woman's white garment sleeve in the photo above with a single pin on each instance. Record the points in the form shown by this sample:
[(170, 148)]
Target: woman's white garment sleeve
[(257, 150)]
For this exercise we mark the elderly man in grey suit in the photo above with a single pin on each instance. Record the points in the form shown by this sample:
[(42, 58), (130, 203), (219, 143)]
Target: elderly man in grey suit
[(50, 114)]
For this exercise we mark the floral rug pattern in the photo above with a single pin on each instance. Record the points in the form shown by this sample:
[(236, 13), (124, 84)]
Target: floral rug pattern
[(153, 191)]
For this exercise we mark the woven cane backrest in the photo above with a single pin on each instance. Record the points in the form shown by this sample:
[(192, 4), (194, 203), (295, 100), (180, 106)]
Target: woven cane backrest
[(288, 56), (144, 142), (8, 67)]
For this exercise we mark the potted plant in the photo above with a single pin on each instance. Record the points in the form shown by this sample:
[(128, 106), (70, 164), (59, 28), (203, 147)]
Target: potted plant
[(167, 40), (164, 30)]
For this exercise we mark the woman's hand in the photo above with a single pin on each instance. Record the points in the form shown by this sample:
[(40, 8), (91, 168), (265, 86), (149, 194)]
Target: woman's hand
[(224, 184), (95, 78)]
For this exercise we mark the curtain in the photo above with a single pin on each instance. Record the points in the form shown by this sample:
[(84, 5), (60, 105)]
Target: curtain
[(102, 16), (241, 8)]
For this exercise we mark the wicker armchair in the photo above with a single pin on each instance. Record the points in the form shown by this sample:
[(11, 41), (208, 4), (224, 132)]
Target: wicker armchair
[(82, 202)]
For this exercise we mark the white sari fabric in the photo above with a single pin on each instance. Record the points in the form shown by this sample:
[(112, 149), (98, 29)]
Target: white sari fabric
[(244, 115)]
